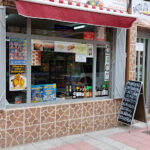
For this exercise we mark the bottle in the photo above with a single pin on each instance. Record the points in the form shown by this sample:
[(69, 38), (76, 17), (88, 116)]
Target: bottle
[(70, 90), (104, 90), (107, 92), (67, 91), (73, 92), (82, 92), (77, 92), (85, 92), (101, 89), (99, 92), (90, 91)]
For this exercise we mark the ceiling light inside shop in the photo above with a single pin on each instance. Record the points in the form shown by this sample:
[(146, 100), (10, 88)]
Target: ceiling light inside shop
[(79, 27)]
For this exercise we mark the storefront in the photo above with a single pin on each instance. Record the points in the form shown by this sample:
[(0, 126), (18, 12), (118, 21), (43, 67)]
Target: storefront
[(142, 9), (65, 68)]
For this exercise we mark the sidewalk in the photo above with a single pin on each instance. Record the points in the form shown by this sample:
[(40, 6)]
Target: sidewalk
[(109, 139)]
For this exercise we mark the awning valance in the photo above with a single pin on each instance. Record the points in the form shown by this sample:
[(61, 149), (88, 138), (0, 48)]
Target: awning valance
[(74, 12)]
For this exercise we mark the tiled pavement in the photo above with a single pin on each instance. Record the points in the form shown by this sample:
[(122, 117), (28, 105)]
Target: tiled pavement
[(109, 139)]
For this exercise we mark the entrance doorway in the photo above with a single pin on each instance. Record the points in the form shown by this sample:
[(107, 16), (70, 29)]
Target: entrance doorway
[(141, 64)]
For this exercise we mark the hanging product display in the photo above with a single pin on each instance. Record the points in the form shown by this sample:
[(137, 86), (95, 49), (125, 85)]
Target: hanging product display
[(43, 93)]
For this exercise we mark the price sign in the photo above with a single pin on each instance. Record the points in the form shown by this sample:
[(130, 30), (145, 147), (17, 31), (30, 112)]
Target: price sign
[(132, 103)]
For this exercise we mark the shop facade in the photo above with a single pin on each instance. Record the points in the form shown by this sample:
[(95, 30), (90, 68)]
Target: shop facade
[(142, 53), (60, 74)]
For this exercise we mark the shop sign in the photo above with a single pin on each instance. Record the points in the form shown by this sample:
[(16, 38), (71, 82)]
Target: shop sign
[(140, 47), (17, 78), (142, 9), (43, 93), (88, 35), (113, 4), (17, 52), (80, 58)]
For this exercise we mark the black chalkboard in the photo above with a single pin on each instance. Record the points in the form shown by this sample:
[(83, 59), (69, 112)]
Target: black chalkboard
[(129, 102)]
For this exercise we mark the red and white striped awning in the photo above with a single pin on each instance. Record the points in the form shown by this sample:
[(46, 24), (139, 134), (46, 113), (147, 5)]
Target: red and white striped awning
[(67, 11)]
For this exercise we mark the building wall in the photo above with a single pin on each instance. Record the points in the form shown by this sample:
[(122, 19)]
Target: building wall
[(26, 125), (8, 2), (132, 51)]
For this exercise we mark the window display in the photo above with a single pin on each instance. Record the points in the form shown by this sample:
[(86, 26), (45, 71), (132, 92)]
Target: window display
[(61, 68), (58, 66)]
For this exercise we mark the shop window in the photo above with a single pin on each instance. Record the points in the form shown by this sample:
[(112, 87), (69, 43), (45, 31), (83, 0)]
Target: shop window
[(102, 71), (61, 70), (16, 75), (62, 29), (14, 22)]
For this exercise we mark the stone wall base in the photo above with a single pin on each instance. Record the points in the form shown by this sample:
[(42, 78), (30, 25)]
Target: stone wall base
[(27, 125)]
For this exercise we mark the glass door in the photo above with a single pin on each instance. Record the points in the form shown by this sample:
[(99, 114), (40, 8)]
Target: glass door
[(141, 61)]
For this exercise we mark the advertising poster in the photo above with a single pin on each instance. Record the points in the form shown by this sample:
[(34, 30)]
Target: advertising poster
[(80, 58), (89, 50), (107, 63), (17, 52), (36, 93), (48, 46), (36, 58), (141, 8), (81, 49), (43, 93), (65, 47), (49, 92), (17, 78), (37, 45)]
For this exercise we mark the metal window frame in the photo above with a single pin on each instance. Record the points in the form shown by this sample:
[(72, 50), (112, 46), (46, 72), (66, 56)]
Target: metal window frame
[(2, 57), (28, 36)]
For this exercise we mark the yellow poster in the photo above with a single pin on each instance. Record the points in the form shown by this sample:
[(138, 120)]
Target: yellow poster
[(81, 49)]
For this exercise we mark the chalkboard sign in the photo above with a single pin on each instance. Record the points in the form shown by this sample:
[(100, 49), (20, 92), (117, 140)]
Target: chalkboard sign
[(129, 102)]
